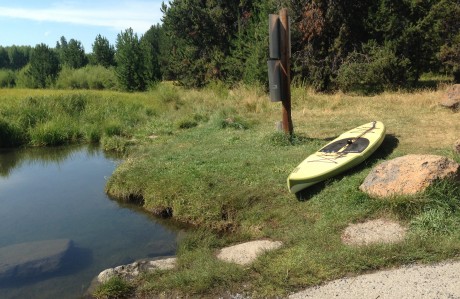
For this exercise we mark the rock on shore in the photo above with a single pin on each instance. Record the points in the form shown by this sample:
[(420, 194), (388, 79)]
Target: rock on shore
[(408, 175), (131, 271)]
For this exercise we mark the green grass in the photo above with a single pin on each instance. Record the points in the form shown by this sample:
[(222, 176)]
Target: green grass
[(114, 288), (214, 160), (65, 117)]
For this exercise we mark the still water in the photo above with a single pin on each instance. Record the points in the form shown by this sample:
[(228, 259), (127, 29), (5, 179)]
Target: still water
[(57, 193)]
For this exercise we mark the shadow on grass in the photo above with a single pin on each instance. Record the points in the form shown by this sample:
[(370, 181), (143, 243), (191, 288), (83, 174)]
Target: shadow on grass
[(389, 144)]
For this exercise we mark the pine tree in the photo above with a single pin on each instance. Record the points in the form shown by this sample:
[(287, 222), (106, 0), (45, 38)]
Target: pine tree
[(44, 66), (129, 57), (103, 52)]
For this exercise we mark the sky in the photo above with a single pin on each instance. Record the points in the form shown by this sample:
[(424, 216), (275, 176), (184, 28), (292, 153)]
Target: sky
[(31, 22)]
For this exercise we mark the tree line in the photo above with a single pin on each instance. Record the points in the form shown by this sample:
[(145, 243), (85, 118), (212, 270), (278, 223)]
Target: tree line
[(352, 45)]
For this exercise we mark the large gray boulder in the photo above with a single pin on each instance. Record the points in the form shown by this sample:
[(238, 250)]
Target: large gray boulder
[(408, 175), (33, 258), (451, 99)]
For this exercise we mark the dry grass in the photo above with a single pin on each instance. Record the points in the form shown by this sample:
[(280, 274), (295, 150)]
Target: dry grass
[(415, 119)]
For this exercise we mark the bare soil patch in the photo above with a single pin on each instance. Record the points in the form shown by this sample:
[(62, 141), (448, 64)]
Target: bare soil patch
[(373, 231), (246, 253)]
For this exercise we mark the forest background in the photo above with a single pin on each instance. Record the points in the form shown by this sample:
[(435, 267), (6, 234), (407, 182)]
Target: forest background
[(356, 46)]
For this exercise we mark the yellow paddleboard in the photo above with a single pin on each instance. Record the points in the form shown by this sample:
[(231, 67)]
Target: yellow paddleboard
[(342, 153)]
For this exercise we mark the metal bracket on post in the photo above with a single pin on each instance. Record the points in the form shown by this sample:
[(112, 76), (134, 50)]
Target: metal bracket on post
[(274, 36), (274, 63), (275, 80)]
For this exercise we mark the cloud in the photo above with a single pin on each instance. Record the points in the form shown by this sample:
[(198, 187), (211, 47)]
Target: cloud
[(117, 15)]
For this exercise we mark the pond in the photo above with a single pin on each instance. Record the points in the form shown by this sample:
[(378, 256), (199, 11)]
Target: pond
[(58, 193)]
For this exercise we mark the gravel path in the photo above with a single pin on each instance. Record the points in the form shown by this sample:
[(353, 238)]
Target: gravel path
[(428, 281)]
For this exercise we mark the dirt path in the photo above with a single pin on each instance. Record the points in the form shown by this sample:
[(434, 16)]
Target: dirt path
[(416, 281), (427, 281)]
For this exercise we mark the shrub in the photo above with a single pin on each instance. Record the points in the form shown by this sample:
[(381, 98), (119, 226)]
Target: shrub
[(373, 70), (89, 77), (7, 78), (24, 80)]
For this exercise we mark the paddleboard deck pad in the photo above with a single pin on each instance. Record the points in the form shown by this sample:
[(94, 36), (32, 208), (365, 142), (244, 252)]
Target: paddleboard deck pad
[(342, 153)]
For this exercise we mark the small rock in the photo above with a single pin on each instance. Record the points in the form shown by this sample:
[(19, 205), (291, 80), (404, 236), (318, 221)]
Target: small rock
[(229, 120), (246, 253), (451, 99), (457, 146), (33, 258), (408, 175)]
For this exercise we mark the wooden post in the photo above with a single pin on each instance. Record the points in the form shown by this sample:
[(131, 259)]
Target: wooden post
[(288, 127)]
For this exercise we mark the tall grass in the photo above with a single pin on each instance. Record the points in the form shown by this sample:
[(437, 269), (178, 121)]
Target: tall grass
[(57, 119), (115, 287)]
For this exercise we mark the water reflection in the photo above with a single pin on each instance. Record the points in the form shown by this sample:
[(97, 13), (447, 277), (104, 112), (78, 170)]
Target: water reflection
[(14, 158), (57, 193)]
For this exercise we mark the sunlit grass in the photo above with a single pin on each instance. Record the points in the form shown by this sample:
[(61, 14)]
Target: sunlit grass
[(213, 158)]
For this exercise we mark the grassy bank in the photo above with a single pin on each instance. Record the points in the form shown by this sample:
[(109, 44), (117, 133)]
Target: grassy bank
[(212, 158), (52, 118)]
